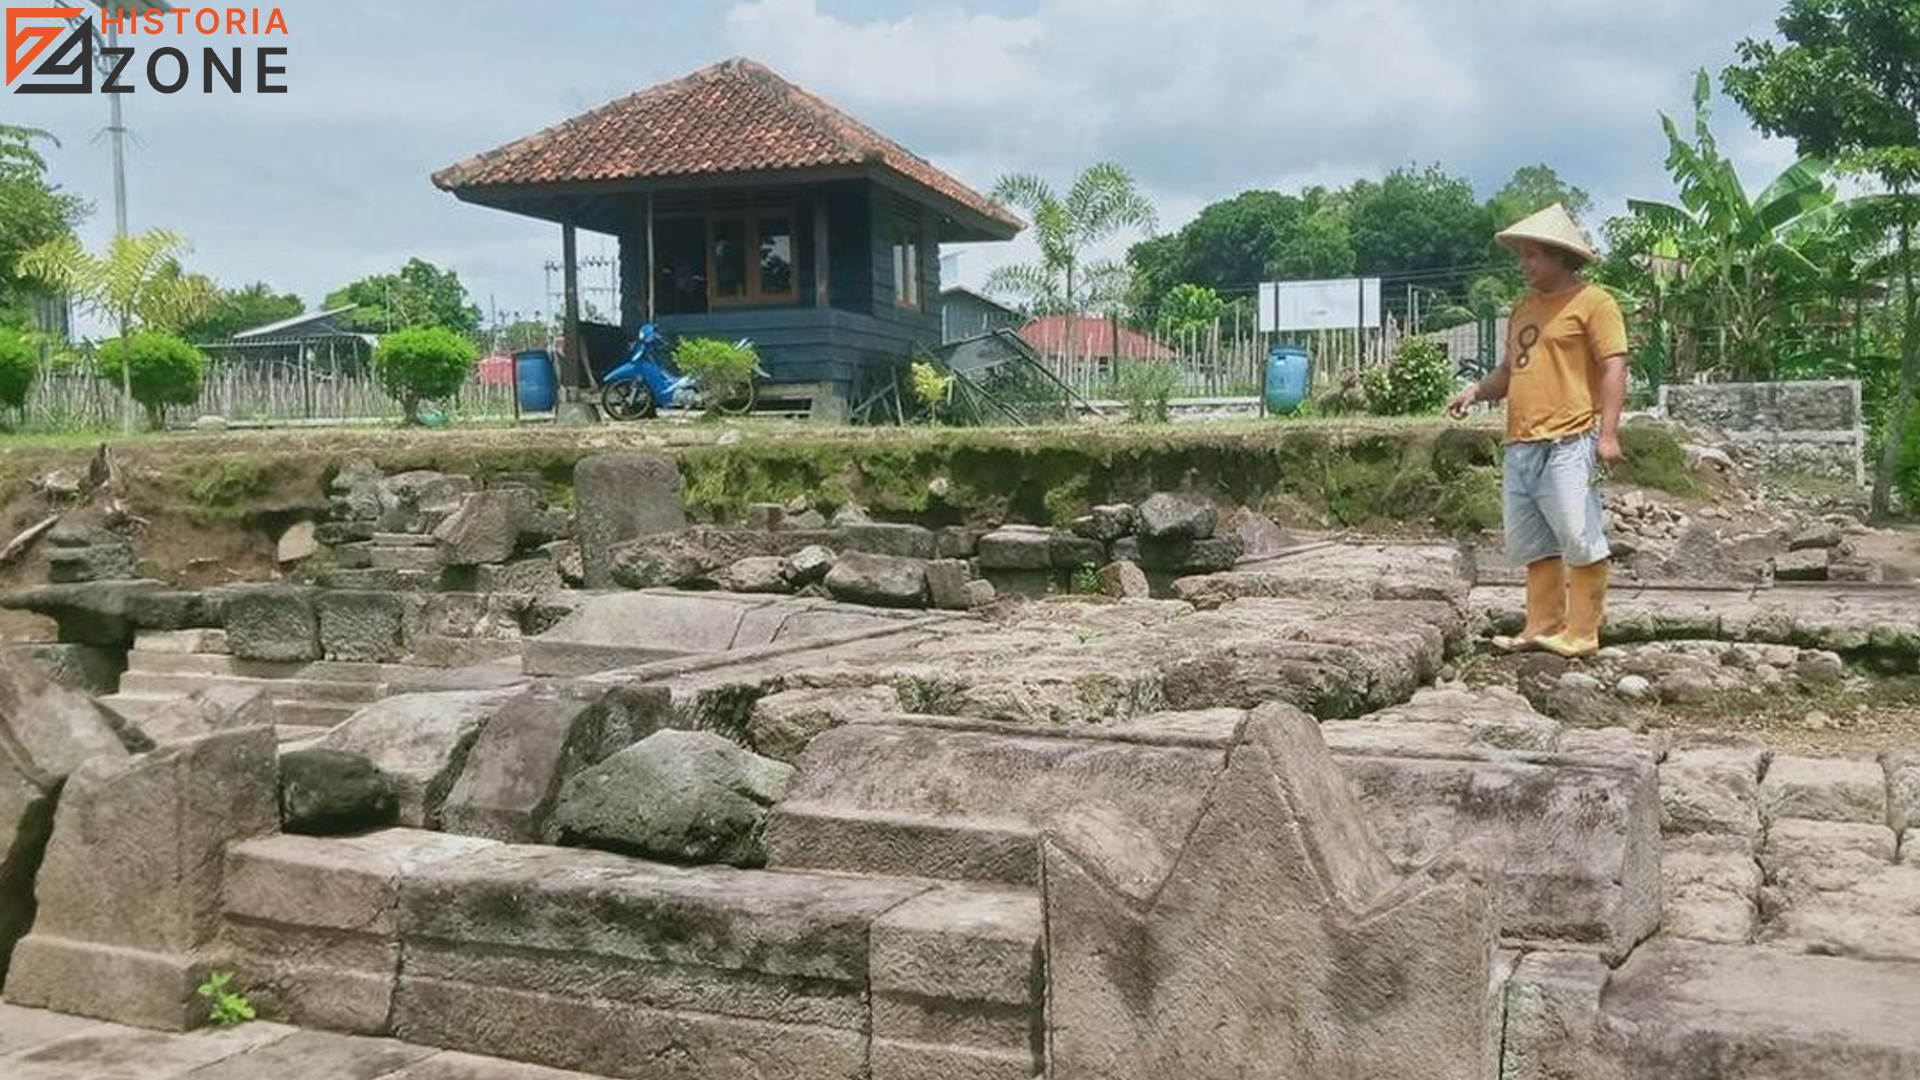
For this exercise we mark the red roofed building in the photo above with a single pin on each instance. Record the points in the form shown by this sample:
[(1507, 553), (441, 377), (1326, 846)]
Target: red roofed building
[(746, 206), (1093, 338)]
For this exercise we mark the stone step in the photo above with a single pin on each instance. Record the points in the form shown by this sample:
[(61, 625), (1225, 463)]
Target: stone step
[(294, 719), (384, 580), (137, 707), (821, 836), (321, 716), (404, 540), (421, 559), (210, 665), (180, 641), (1690, 1011), (280, 689), (214, 665), (967, 805), (37, 1045)]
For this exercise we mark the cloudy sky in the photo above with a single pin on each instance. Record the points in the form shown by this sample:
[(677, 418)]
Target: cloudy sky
[(1200, 98)]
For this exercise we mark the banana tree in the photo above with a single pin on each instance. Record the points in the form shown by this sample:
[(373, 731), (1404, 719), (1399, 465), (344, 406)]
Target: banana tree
[(138, 282), (1738, 264)]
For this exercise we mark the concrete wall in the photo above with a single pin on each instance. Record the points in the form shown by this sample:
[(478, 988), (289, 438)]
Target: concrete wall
[(1809, 428)]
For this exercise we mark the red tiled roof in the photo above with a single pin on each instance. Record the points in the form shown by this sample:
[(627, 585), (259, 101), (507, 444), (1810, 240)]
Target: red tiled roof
[(737, 116), (1091, 337)]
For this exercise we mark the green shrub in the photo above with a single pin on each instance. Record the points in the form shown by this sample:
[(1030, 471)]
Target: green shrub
[(1418, 379), (1190, 309), (18, 364), (725, 368), (1086, 580), (1147, 387), (424, 363), (1906, 476), (163, 370), (932, 388), (226, 1006)]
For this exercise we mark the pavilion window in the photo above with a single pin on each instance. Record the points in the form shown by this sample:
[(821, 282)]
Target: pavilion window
[(752, 259), (679, 248), (906, 265)]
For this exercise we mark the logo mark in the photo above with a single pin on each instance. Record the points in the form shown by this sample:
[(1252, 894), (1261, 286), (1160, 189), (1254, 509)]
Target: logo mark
[(74, 57)]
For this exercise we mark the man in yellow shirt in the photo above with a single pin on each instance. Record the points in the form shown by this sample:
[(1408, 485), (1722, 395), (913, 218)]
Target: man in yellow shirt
[(1564, 379)]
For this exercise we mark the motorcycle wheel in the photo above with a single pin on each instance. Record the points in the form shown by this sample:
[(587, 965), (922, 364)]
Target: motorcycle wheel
[(628, 399), (739, 405)]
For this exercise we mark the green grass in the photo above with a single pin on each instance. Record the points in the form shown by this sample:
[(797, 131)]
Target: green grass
[(1419, 474)]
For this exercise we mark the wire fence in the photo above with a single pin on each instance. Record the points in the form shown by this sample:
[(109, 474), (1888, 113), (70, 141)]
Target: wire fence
[(331, 380), (1227, 358)]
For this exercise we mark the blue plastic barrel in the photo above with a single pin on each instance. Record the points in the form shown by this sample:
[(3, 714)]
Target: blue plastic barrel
[(533, 371), (1288, 372)]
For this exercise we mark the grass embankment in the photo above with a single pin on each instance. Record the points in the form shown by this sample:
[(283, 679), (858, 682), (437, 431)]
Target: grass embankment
[(1413, 476)]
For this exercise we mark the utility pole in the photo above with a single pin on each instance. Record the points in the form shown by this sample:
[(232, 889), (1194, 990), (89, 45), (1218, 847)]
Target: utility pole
[(117, 135)]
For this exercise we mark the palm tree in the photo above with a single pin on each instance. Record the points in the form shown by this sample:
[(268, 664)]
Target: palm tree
[(138, 281), (1102, 202)]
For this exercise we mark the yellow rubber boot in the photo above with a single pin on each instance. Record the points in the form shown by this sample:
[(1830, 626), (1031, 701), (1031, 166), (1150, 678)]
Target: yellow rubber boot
[(1546, 606), (1586, 607)]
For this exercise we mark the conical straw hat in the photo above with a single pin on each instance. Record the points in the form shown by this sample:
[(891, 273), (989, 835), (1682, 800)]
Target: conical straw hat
[(1553, 227)]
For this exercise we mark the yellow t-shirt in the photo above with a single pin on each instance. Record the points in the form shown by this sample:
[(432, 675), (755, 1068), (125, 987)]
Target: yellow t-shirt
[(1555, 343)]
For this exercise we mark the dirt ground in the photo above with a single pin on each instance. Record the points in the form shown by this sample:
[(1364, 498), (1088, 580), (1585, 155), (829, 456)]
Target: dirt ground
[(1858, 718)]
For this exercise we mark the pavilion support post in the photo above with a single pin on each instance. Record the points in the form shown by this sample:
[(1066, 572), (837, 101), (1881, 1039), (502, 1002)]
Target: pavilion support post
[(570, 268), (653, 272), (822, 297)]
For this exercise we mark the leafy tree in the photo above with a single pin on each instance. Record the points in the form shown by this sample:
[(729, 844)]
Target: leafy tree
[(1907, 467), (1231, 243), (1190, 309), (1844, 83), (1102, 203), (420, 294), (423, 363), (138, 282), (1417, 220), (1239, 242), (523, 334), (1530, 189), (162, 370), (234, 310), (19, 363), (32, 213), (1322, 244), (1154, 267), (1492, 295), (1411, 220)]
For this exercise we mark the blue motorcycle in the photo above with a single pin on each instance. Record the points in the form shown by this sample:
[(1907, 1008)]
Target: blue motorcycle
[(644, 383)]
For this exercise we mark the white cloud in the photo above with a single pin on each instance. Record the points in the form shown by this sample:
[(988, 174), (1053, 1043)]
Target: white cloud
[(1201, 99), (1206, 98)]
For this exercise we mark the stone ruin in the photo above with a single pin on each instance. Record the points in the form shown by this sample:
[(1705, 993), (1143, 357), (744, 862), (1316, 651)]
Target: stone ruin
[(1244, 829)]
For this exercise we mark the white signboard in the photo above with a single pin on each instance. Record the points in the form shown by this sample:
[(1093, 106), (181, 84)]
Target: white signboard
[(1345, 304)]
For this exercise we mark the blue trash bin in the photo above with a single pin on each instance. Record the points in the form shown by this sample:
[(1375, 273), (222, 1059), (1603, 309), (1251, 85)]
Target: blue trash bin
[(1289, 372), (533, 373)]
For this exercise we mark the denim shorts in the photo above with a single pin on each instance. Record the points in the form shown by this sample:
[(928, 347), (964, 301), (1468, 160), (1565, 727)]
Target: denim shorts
[(1553, 506)]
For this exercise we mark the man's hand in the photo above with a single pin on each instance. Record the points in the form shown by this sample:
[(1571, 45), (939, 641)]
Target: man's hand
[(1457, 408), (1610, 452)]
